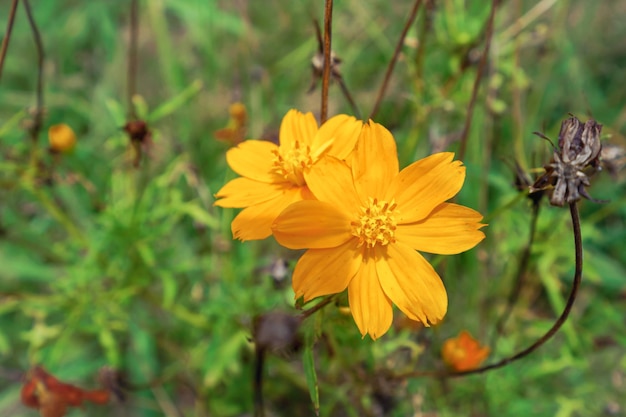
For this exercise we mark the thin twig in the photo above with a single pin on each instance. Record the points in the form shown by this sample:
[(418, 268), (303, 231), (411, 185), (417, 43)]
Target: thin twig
[(132, 59), (38, 119), (348, 96), (334, 71), (479, 75), (7, 35), (328, 20), (519, 278), (394, 58), (307, 313), (578, 247), (257, 384), (420, 52)]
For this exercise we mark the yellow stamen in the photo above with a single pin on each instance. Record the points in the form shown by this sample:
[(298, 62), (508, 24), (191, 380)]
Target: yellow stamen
[(290, 164), (376, 223)]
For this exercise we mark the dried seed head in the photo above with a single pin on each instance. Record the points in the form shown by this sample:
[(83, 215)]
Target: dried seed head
[(567, 173)]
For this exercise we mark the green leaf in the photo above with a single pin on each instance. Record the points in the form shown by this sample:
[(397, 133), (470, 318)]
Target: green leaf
[(176, 102), (311, 376)]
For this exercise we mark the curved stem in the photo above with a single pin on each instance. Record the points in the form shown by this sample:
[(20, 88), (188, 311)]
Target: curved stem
[(394, 58), (578, 245)]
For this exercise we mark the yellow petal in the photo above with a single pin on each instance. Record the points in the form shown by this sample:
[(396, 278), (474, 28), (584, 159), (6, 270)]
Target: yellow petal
[(255, 221), (311, 224), (297, 127), (343, 130), (325, 271), (244, 192), (449, 229), (330, 180), (374, 161), (425, 184), (411, 283), (371, 308), (254, 159)]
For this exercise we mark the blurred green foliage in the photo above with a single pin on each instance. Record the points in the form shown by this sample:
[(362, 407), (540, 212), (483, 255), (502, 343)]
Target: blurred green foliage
[(105, 264)]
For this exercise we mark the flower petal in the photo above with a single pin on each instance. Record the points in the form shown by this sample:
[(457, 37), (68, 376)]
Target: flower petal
[(297, 127), (370, 307), (312, 224), (411, 283), (325, 271), (449, 229), (374, 162), (254, 159), (343, 130), (244, 192), (330, 180), (425, 184), (255, 221)]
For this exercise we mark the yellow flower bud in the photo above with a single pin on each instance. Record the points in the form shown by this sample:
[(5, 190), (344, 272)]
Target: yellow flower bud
[(61, 138)]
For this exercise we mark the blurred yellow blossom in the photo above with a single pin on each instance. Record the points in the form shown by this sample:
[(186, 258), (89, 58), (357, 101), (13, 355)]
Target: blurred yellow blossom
[(464, 353), (61, 138), (369, 219), (274, 176)]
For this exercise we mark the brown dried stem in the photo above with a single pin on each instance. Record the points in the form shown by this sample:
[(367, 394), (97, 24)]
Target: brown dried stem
[(7, 35), (482, 64), (38, 117), (394, 58), (328, 19), (132, 59)]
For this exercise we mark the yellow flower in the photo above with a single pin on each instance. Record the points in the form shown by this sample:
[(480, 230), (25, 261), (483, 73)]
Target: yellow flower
[(274, 176), (368, 222), (61, 138), (464, 353)]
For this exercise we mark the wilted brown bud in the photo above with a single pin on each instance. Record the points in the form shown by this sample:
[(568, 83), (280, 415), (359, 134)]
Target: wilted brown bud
[(579, 149), (140, 138), (137, 131)]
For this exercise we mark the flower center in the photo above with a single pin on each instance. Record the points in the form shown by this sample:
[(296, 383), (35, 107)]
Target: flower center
[(290, 164), (376, 223)]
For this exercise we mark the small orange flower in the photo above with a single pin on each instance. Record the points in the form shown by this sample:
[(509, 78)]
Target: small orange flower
[(61, 137), (235, 131), (52, 397), (274, 176), (464, 353)]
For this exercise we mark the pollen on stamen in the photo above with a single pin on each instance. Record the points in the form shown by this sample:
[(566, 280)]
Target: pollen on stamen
[(290, 164), (376, 223)]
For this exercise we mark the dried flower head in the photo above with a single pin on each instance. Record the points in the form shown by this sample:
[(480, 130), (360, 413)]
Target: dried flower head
[(52, 397), (579, 149)]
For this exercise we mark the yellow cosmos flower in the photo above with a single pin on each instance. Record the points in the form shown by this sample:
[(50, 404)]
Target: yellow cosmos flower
[(61, 137), (369, 219), (464, 353), (274, 176)]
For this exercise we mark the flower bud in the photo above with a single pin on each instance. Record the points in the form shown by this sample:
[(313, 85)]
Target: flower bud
[(61, 137)]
